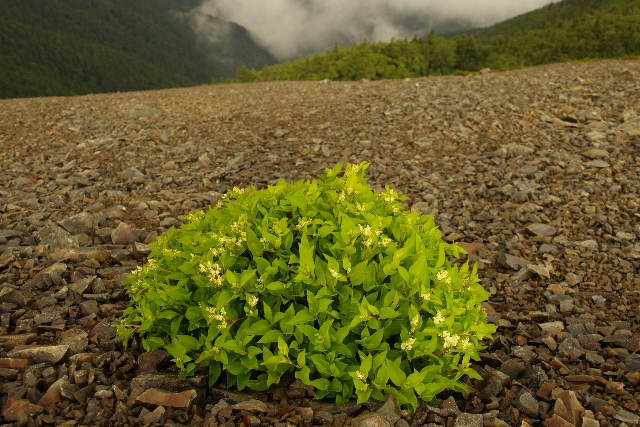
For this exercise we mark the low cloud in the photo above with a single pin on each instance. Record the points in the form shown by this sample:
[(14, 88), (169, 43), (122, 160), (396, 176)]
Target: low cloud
[(288, 28)]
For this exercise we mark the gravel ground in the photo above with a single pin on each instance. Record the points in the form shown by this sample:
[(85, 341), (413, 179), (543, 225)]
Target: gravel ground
[(534, 171)]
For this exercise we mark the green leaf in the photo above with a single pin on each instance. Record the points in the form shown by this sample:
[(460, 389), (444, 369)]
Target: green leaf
[(271, 336), (388, 313), (302, 316), (254, 244), (396, 374)]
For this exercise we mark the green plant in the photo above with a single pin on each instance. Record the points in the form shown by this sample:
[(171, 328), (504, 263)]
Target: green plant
[(326, 278)]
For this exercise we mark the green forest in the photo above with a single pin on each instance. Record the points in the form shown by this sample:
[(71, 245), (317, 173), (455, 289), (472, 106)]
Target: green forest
[(563, 31), (70, 47)]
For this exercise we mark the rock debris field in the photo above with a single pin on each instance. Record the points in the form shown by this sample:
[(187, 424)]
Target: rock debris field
[(534, 171)]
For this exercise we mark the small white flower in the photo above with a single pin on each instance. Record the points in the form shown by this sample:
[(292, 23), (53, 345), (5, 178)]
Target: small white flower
[(361, 376), (426, 297), (215, 349), (414, 323), (252, 300), (439, 319), (408, 344), (222, 325), (450, 340), (465, 344), (443, 276), (341, 197), (384, 241), (334, 273)]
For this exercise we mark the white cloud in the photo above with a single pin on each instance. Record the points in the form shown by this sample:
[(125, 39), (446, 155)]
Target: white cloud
[(298, 27)]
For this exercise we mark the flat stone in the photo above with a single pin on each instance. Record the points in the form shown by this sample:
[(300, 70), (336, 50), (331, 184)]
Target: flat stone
[(468, 420), (167, 382), (56, 238), (76, 339), (13, 296), (20, 365), (556, 421), (596, 153), (83, 222), (528, 404), (13, 407), (600, 164), (625, 236), (251, 405), (572, 346), (512, 262), (52, 275), (540, 229), (81, 286), (182, 400), (371, 420), (81, 254), (11, 341), (40, 353), (626, 417), (552, 328)]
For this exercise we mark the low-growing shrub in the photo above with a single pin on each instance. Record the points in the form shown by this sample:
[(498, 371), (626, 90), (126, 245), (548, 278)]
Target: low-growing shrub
[(327, 278)]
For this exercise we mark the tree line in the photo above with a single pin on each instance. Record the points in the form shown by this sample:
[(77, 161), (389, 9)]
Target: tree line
[(568, 30)]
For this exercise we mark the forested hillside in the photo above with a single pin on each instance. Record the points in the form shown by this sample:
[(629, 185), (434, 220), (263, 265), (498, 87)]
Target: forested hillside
[(66, 47), (568, 30)]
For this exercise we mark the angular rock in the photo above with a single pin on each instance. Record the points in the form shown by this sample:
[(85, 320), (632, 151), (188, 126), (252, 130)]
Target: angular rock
[(572, 346), (76, 339), (528, 404), (83, 222), (40, 353), (13, 407), (13, 297), (556, 421), (52, 275), (371, 420), (167, 382), (391, 409), (182, 400), (468, 420), (540, 229), (56, 238), (626, 417), (123, 235), (512, 262), (252, 405)]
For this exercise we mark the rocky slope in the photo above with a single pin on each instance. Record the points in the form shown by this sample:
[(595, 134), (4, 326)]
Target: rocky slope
[(536, 171)]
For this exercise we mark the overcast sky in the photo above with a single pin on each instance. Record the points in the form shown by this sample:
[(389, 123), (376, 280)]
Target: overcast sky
[(289, 28)]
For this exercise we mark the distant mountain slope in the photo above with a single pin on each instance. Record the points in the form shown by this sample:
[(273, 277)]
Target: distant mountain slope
[(567, 30), (66, 47), (570, 29)]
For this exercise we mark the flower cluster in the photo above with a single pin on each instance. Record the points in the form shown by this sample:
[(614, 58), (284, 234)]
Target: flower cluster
[(170, 253), (212, 270), (304, 222), (220, 316), (439, 319), (408, 344), (443, 276), (414, 323), (195, 218), (450, 340), (252, 300)]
